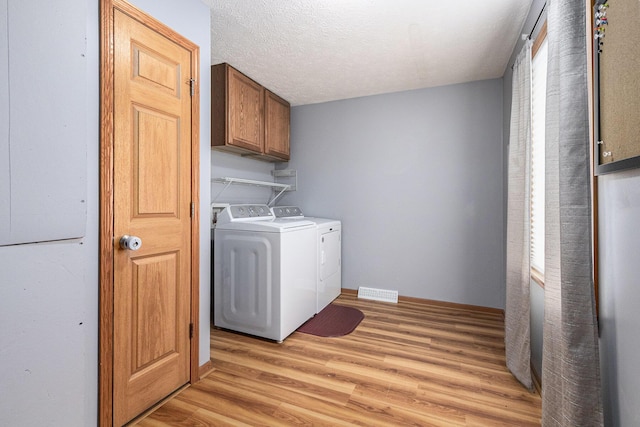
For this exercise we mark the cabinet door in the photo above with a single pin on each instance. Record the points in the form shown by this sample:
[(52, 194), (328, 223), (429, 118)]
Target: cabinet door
[(246, 105), (277, 117)]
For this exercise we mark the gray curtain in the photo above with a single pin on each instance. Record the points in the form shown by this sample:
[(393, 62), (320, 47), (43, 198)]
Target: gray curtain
[(571, 394), (517, 327)]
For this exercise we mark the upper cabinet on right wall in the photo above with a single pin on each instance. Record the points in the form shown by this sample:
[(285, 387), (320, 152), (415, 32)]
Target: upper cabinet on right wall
[(246, 118), (276, 126)]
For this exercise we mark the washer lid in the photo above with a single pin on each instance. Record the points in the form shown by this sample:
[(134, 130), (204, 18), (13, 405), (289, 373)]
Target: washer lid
[(267, 226), (324, 222)]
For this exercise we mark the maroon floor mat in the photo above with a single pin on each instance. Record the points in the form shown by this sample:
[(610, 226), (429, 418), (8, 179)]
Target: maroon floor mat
[(333, 321)]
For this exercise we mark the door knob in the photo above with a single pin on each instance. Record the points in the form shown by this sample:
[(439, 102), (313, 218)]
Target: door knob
[(131, 243)]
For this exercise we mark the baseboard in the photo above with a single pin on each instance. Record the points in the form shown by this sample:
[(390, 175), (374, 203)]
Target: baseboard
[(205, 369), (456, 305)]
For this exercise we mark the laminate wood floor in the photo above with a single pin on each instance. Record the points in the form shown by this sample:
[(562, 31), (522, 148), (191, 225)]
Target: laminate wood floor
[(411, 363)]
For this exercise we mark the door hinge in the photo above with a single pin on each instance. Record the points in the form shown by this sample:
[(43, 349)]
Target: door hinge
[(190, 330), (193, 209), (192, 83)]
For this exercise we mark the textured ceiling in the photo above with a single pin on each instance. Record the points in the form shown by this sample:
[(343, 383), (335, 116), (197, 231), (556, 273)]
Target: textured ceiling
[(311, 51)]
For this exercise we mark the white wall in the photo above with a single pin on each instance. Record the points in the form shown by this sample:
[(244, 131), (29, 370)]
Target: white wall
[(619, 237), (416, 178), (49, 291)]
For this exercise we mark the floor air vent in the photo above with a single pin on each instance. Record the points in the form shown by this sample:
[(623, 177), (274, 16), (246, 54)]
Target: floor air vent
[(378, 294)]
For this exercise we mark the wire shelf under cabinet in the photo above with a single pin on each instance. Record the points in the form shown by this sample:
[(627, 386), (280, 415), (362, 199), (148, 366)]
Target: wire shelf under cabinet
[(275, 186)]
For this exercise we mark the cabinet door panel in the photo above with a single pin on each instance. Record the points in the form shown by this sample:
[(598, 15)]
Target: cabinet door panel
[(246, 104), (277, 118)]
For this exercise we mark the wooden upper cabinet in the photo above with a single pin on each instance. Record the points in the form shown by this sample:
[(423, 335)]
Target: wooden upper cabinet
[(246, 118), (237, 111), (277, 118)]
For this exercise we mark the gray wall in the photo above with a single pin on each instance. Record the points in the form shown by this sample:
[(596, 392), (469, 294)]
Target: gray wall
[(416, 178), (49, 291), (537, 321), (235, 166), (619, 237), (51, 203)]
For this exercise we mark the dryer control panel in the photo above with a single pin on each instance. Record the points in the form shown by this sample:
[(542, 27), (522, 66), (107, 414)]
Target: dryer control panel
[(287, 211)]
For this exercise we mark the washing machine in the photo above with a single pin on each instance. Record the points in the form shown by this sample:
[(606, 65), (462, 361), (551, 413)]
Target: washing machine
[(328, 253), (264, 272)]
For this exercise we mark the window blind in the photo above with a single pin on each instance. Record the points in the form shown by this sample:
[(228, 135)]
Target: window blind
[(538, 101)]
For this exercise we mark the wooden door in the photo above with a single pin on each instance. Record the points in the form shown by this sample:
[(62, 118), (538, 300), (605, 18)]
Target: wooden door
[(277, 113), (152, 200), (245, 110)]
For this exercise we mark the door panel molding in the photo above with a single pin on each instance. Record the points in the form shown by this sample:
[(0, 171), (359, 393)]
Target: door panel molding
[(106, 210)]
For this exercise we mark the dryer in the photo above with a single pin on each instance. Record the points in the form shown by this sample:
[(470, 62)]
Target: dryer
[(328, 253), (264, 272)]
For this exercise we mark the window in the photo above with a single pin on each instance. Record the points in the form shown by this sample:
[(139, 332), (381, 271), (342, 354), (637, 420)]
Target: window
[(538, 104)]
